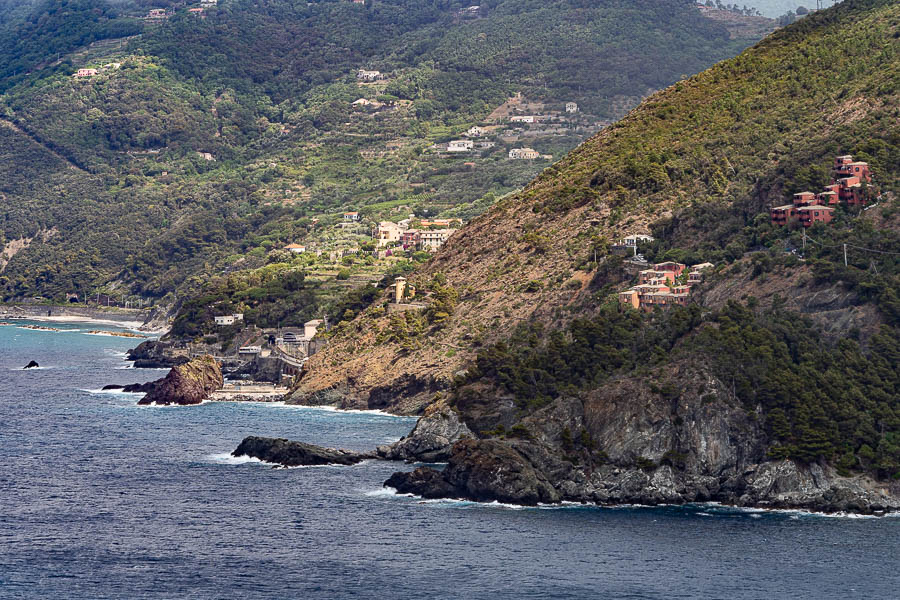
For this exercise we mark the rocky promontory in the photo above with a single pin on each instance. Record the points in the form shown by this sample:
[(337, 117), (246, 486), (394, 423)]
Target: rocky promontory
[(154, 354), (190, 383), (288, 453), (432, 438)]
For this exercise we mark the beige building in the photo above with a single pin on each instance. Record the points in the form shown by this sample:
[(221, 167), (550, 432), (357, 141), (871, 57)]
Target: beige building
[(524, 154), (388, 232), (432, 240)]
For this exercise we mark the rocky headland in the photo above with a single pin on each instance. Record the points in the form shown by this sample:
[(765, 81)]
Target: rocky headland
[(189, 383), (154, 354)]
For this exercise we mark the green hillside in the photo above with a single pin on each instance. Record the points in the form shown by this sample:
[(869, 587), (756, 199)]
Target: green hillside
[(780, 328), (205, 142)]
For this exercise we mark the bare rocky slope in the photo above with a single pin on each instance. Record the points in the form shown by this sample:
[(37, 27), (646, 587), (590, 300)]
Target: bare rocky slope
[(778, 388)]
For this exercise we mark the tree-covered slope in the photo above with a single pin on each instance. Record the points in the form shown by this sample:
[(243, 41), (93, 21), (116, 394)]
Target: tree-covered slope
[(523, 327), (208, 139)]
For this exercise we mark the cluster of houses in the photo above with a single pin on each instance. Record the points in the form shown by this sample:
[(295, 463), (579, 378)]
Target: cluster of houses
[(430, 235), (666, 284), (848, 182)]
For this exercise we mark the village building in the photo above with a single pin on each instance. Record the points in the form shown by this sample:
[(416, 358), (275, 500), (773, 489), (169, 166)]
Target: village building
[(401, 290), (369, 76), (434, 239), (460, 146), (476, 131), (848, 186), (387, 233), (225, 320), (523, 154), (663, 286), (485, 144), (195, 11), (522, 119), (351, 216), (86, 73), (250, 350), (571, 107), (208, 3), (295, 248), (157, 13), (410, 238)]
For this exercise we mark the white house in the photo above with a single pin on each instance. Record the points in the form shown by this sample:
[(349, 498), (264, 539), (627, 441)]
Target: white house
[(571, 107), (225, 320), (86, 73), (460, 146), (364, 75), (295, 248), (522, 119), (633, 240), (523, 154), (207, 3), (476, 131), (250, 350), (351, 216)]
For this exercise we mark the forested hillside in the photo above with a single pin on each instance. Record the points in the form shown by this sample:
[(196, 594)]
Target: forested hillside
[(206, 141), (523, 331)]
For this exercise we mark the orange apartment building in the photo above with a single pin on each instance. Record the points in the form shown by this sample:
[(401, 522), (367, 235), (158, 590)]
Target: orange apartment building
[(659, 286), (848, 177)]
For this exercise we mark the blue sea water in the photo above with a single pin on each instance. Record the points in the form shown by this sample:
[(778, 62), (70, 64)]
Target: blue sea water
[(100, 498)]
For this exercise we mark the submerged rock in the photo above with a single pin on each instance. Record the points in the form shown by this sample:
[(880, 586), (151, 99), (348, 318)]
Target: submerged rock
[(294, 454), (132, 388), (32, 365), (432, 438), (190, 383)]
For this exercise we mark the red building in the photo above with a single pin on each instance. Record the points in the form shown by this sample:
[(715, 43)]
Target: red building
[(807, 215), (848, 186)]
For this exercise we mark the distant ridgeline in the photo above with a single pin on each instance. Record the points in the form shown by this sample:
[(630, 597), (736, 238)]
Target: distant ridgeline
[(145, 145), (794, 325)]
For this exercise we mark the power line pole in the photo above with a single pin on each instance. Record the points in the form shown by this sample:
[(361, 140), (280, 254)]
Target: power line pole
[(804, 240), (845, 255)]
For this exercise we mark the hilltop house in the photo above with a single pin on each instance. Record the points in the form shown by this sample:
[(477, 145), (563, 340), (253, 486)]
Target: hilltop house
[(476, 131), (629, 244), (368, 76), (663, 285), (351, 216), (295, 248), (523, 154), (522, 119), (847, 185), (571, 107), (460, 146), (157, 13), (86, 73)]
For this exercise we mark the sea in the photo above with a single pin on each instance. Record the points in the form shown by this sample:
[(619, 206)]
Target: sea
[(101, 498)]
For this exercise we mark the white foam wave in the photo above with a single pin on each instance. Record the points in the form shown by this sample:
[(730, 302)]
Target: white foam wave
[(31, 368), (114, 392), (226, 458)]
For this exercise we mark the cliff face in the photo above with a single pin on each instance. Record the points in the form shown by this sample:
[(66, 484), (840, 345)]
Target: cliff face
[(628, 443), (189, 383)]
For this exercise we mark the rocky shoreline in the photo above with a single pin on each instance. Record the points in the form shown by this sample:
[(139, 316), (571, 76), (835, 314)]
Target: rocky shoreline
[(528, 473)]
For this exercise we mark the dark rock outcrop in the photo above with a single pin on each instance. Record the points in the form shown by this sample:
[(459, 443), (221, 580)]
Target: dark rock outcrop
[(294, 454), (155, 355), (32, 365), (481, 470), (432, 438), (625, 443), (190, 383)]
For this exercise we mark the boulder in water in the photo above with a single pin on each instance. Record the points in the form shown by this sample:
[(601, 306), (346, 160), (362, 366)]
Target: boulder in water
[(190, 383), (294, 454), (32, 365)]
